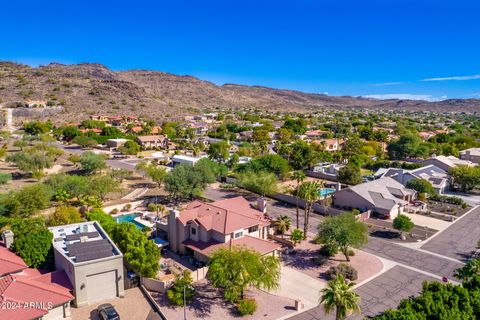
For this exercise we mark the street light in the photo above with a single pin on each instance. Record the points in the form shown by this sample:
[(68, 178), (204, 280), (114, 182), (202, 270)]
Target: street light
[(185, 300)]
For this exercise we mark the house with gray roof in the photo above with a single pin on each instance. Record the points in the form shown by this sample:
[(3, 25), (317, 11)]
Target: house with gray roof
[(436, 176), (385, 197), (447, 162), (472, 154)]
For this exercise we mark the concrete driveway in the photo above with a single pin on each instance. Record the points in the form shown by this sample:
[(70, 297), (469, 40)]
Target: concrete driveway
[(133, 306), (471, 199), (298, 286)]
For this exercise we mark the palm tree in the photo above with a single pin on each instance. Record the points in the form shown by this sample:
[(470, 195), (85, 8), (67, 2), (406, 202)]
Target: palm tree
[(296, 237), (310, 193), (339, 295), (469, 270), (283, 224), (299, 176)]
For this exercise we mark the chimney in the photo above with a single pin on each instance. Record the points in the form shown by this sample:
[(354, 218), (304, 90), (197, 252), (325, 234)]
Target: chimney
[(7, 237), (262, 204), (339, 186)]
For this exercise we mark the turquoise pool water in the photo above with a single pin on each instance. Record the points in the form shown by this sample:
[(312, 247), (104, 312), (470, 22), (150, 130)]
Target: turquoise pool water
[(130, 218), (326, 191)]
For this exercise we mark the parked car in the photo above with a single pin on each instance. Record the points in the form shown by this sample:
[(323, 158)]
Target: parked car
[(107, 312)]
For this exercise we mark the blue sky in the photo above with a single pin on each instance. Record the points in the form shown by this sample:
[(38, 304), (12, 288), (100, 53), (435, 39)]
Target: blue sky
[(419, 49)]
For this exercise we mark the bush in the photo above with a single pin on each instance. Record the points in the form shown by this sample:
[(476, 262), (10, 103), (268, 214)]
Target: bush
[(448, 199), (152, 207), (114, 211), (247, 306), (127, 207), (328, 250), (351, 253), (5, 178), (183, 283), (344, 269), (319, 260)]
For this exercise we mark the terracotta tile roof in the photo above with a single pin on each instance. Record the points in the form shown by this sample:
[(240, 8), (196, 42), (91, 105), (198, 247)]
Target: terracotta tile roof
[(23, 289), (10, 262), (151, 138), (257, 244), (224, 216)]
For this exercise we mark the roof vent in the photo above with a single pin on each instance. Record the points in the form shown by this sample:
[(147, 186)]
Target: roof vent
[(84, 239)]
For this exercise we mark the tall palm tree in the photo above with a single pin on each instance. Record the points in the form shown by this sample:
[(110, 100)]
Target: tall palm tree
[(310, 193), (339, 295), (299, 176), (283, 224)]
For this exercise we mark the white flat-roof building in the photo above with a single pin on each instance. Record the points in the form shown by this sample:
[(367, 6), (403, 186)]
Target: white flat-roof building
[(181, 159), (91, 260)]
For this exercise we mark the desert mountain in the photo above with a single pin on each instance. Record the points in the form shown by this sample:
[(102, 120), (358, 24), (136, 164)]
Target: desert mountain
[(86, 89)]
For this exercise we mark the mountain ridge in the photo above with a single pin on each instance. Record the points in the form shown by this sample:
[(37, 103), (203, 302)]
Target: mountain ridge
[(92, 88)]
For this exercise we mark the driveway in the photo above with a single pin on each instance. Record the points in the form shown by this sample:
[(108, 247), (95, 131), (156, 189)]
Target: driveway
[(133, 306), (460, 239), (299, 286), (471, 199)]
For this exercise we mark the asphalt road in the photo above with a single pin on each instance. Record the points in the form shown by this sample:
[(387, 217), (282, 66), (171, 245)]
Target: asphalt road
[(458, 240)]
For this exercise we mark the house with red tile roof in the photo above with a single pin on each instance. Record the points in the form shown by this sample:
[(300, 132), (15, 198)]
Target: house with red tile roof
[(330, 144), (201, 228), (27, 293)]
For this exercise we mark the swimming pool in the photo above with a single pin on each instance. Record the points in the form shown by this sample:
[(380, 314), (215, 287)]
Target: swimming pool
[(326, 191), (130, 217)]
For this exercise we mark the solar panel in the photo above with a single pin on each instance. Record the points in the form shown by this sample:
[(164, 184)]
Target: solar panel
[(77, 236), (87, 256), (89, 246)]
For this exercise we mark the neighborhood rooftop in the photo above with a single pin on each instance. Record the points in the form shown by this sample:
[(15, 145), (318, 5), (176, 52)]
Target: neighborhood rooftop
[(83, 242)]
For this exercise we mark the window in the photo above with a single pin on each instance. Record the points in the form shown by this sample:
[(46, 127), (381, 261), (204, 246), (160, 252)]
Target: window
[(252, 229), (193, 230), (238, 234)]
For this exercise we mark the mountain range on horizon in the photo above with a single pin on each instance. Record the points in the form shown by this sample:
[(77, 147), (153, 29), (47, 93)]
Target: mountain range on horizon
[(92, 89)]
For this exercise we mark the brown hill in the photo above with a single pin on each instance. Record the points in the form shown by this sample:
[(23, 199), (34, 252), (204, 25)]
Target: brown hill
[(87, 89)]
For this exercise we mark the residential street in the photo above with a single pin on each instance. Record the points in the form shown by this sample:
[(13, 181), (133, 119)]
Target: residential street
[(411, 266), (459, 239)]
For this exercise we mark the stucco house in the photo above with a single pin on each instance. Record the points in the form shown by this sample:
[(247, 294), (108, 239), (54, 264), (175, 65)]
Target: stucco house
[(385, 197), (153, 141), (32, 294), (447, 162), (201, 228), (472, 154), (91, 261), (437, 177)]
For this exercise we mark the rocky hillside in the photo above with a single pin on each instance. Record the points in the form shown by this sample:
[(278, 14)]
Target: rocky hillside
[(87, 89)]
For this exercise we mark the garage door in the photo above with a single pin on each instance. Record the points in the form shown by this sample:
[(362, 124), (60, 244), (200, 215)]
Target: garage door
[(101, 286)]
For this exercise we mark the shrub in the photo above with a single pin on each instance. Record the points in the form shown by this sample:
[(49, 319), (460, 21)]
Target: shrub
[(247, 306), (344, 269), (447, 199), (319, 260), (127, 207), (351, 253), (5, 178), (114, 211), (152, 207), (183, 284), (328, 250)]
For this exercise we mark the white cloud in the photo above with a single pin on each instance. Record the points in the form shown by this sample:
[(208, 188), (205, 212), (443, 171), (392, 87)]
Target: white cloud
[(404, 96), (454, 78), (384, 84)]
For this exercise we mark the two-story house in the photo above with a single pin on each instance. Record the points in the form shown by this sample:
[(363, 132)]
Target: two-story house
[(201, 228)]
